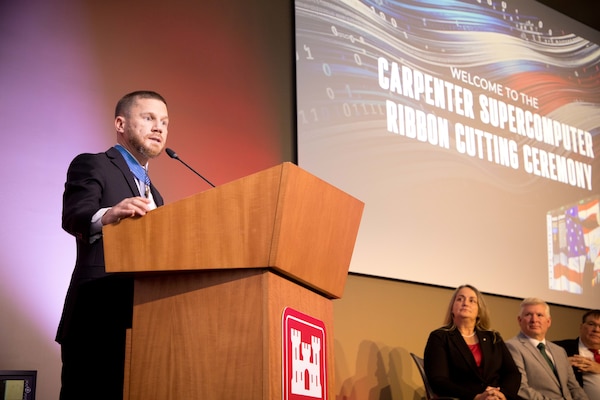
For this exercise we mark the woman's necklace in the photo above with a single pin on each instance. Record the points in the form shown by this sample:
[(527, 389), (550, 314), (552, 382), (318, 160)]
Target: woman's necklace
[(465, 336)]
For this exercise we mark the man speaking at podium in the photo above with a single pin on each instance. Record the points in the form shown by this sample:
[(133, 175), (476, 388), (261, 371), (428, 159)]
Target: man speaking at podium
[(102, 189)]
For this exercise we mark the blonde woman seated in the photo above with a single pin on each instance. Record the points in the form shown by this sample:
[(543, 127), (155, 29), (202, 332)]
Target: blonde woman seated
[(467, 360)]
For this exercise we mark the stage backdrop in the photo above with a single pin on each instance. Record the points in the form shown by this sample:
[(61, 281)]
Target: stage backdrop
[(471, 130)]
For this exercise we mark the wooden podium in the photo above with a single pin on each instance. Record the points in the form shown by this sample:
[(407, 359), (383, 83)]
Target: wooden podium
[(214, 273)]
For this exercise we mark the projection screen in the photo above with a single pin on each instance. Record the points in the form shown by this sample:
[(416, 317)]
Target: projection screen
[(470, 129)]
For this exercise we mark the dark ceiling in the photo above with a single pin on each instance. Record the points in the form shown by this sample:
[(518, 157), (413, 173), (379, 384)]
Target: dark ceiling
[(584, 11)]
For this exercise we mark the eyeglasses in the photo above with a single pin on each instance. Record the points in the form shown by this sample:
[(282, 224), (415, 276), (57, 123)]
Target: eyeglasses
[(592, 325)]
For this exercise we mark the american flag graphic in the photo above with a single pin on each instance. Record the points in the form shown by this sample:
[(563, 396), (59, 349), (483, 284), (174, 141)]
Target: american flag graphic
[(574, 246)]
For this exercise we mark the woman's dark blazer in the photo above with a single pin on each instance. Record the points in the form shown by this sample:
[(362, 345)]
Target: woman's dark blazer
[(452, 371)]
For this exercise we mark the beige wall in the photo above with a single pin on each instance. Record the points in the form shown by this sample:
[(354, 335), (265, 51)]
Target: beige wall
[(378, 322)]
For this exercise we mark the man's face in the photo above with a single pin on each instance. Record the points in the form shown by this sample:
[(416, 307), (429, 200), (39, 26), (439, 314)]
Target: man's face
[(534, 321), (144, 130), (589, 332)]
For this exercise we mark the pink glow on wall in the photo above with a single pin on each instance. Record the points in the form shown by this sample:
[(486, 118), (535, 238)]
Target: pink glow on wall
[(64, 64)]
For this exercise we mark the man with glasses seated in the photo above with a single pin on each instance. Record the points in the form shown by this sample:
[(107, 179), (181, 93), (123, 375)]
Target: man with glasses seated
[(584, 353)]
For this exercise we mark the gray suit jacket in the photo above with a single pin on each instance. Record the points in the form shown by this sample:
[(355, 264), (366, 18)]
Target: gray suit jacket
[(538, 381)]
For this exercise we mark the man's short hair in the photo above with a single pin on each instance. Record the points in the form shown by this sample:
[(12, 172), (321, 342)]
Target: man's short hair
[(534, 301), (590, 313), (127, 101)]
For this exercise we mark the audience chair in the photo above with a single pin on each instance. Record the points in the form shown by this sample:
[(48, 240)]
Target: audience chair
[(429, 395)]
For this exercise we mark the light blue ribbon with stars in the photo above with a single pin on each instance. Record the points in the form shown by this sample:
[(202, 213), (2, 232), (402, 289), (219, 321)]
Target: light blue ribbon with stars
[(134, 166)]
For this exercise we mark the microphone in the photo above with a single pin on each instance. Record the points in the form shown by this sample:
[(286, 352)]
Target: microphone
[(174, 155)]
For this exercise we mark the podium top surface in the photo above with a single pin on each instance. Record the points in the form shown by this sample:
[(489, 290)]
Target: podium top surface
[(282, 218)]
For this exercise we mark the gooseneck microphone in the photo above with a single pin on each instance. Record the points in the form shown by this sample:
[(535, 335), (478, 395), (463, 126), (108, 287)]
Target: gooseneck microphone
[(174, 155)]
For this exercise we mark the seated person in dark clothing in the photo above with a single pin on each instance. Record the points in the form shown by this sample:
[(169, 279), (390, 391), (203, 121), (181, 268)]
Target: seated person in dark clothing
[(467, 360), (584, 353)]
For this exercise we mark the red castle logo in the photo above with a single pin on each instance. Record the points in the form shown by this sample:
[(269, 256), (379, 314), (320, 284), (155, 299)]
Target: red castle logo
[(304, 357)]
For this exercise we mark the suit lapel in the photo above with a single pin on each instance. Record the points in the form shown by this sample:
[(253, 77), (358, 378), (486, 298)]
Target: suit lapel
[(486, 352), (156, 196), (537, 355), (464, 350), (558, 361), (118, 160)]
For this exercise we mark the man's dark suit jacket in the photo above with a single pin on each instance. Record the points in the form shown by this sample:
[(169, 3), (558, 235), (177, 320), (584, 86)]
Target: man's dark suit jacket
[(95, 181), (571, 346), (452, 371)]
